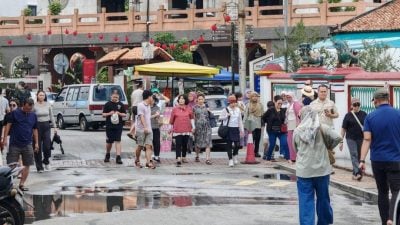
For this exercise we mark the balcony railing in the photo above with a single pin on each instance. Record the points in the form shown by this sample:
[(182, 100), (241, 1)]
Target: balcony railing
[(320, 14)]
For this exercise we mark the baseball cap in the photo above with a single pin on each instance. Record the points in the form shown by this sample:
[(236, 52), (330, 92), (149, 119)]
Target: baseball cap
[(381, 93), (354, 100)]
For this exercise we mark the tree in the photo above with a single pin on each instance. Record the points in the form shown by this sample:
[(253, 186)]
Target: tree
[(179, 49), (298, 35), (55, 7), (375, 57)]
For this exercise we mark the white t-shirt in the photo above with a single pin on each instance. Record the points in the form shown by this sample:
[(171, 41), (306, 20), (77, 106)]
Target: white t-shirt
[(3, 107), (136, 97)]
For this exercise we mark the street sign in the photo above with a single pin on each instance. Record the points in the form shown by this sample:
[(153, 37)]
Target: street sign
[(232, 10), (147, 50)]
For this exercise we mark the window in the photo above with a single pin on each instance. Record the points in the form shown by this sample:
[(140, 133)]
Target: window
[(61, 95), (216, 103), (72, 94), (83, 93), (33, 8), (103, 92)]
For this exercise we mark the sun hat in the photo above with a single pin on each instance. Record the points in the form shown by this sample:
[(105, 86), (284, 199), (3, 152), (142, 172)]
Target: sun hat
[(308, 91)]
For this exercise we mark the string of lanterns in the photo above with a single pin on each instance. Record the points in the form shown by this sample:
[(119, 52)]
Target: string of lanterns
[(116, 38)]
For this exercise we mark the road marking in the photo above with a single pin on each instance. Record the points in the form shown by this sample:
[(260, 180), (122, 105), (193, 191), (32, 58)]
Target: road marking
[(247, 182), (280, 184), (212, 181), (105, 181)]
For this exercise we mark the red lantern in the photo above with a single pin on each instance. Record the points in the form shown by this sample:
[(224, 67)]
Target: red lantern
[(194, 42), (75, 33), (164, 46), (9, 42), (101, 36), (49, 32), (151, 41), (158, 44), (227, 18), (172, 46), (126, 39), (185, 46), (89, 35), (214, 27), (29, 37), (116, 38), (66, 31), (201, 39)]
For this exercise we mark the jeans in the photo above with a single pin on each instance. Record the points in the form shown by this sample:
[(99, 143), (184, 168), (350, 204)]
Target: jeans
[(307, 189), (283, 144), (156, 142), (387, 175), (44, 138), (355, 150), (181, 145), (256, 139)]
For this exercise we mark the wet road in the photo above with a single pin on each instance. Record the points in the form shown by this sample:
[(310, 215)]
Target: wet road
[(81, 189)]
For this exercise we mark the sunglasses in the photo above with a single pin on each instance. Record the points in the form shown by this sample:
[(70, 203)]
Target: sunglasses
[(13, 105), (357, 104)]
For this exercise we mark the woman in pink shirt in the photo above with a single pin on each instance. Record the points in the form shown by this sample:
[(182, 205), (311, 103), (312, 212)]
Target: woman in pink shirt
[(182, 121), (292, 120)]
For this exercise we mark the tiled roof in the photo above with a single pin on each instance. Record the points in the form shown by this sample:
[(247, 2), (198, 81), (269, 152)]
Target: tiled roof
[(128, 56), (383, 18)]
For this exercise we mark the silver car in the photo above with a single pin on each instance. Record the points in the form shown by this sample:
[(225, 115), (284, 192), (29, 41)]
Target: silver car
[(82, 104), (216, 104)]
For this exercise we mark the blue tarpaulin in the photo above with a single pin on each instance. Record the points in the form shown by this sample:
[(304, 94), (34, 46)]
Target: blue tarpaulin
[(224, 75)]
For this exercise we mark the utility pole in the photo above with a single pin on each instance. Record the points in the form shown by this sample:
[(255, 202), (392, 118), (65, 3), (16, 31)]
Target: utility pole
[(285, 32), (233, 30), (242, 46)]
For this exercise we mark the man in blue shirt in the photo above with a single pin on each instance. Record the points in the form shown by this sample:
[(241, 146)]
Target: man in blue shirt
[(381, 135), (21, 127)]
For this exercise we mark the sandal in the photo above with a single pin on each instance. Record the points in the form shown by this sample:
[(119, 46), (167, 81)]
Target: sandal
[(208, 162), (197, 159), (23, 188), (184, 161), (137, 164), (150, 165)]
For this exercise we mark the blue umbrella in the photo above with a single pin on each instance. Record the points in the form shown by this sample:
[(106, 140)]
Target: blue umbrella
[(224, 75)]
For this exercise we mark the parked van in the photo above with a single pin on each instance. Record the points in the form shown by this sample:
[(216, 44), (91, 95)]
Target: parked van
[(82, 104)]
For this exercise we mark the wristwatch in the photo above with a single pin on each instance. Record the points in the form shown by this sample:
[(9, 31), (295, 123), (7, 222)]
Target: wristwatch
[(362, 161)]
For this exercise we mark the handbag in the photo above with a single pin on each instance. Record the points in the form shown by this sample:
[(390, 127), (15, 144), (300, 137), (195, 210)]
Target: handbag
[(212, 119), (284, 128), (223, 129), (331, 153), (249, 123)]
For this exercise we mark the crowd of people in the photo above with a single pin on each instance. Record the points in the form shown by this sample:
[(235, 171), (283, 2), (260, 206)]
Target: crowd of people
[(304, 128)]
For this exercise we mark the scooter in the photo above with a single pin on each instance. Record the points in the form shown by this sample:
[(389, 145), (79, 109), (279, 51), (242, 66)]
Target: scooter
[(11, 198)]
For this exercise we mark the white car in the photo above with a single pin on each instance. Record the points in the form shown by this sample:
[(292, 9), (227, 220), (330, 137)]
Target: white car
[(216, 104)]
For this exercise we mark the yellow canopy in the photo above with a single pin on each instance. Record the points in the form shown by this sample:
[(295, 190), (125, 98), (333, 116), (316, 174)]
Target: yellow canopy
[(175, 69)]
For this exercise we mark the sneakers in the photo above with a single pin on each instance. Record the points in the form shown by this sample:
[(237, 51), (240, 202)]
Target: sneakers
[(107, 158), (235, 160), (231, 164), (157, 159), (47, 167), (118, 159), (257, 155), (357, 177)]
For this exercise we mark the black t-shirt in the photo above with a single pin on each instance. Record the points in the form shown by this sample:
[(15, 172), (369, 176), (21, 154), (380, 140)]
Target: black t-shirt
[(350, 124), (274, 118), (114, 106)]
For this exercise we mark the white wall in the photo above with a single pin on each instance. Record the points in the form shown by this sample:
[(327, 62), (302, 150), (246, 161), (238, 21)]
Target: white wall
[(13, 8), (87, 6)]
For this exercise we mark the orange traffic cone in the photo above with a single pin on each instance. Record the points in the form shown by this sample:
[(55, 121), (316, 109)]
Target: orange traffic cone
[(250, 156)]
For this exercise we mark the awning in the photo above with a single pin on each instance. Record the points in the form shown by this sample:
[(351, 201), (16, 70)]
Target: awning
[(224, 75), (175, 69)]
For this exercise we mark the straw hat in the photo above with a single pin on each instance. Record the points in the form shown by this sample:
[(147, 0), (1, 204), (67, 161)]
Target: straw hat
[(308, 91)]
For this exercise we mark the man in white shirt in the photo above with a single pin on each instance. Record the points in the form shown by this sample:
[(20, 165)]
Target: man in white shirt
[(136, 98), (325, 107)]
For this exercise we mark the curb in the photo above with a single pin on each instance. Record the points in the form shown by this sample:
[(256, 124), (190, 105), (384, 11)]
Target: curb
[(368, 195)]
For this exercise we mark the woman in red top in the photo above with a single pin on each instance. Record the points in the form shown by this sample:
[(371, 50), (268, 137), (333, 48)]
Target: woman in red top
[(183, 126)]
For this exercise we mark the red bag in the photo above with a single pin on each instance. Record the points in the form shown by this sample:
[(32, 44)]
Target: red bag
[(284, 128)]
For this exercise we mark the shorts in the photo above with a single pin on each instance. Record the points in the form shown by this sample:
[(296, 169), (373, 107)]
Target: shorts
[(144, 139), (25, 151), (113, 135), (134, 112)]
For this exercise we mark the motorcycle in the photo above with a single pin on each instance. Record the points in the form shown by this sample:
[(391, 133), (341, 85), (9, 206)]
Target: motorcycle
[(11, 198)]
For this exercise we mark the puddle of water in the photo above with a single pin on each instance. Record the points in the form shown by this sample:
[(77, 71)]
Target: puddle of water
[(277, 176), (75, 200)]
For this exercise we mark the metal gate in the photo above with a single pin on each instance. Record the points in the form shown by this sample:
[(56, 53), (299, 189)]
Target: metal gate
[(396, 97), (277, 89), (365, 94)]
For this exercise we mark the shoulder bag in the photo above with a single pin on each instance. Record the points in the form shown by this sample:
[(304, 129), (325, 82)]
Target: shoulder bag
[(223, 129), (331, 153), (249, 123), (358, 121)]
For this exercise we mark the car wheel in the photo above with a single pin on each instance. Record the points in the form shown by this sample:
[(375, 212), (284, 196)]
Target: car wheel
[(60, 122), (83, 124)]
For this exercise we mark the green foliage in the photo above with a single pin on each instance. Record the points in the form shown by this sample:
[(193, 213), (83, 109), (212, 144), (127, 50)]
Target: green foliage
[(376, 58), (55, 7), (299, 34), (102, 75), (27, 12), (179, 54)]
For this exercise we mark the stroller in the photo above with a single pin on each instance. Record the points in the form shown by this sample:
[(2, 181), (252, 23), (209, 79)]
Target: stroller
[(57, 140)]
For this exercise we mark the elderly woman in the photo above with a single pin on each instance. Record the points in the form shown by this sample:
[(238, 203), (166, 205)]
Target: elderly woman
[(252, 119), (312, 141)]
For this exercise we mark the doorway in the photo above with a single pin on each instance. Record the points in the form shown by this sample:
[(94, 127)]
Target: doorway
[(113, 6)]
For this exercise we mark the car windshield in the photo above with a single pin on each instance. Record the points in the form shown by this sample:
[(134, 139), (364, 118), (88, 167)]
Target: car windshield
[(103, 92), (216, 103), (51, 96)]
